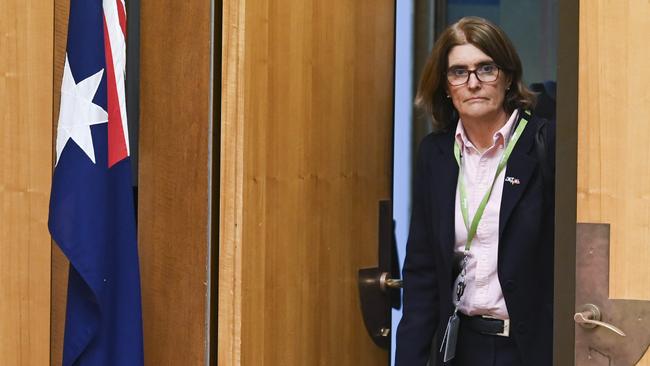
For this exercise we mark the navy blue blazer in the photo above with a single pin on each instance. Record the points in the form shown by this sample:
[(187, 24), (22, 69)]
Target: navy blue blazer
[(525, 257)]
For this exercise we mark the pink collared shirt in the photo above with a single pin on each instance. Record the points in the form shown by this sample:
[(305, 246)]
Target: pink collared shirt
[(483, 294)]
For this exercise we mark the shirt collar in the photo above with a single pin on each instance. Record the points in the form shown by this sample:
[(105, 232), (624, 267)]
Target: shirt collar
[(501, 137)]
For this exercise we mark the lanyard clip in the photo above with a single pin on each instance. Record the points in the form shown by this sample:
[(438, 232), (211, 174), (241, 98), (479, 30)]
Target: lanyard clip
[(460, 289)]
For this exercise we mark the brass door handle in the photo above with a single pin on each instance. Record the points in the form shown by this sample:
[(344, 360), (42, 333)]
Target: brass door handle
[(386, 283), (590, 317)]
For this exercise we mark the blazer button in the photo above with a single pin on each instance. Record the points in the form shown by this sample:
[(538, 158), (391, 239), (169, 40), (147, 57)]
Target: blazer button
[(521, 328), (510, 286)]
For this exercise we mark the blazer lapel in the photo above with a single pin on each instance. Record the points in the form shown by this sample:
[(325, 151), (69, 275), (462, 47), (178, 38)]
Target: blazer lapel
[(521, 167)]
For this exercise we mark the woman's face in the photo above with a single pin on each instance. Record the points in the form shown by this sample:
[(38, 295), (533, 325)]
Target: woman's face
[(475, 99)]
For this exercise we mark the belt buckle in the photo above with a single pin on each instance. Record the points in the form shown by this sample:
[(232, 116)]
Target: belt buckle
[(506, 326)]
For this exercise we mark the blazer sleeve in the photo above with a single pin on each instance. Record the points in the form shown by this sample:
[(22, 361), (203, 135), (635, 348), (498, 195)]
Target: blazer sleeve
[(420, 312)]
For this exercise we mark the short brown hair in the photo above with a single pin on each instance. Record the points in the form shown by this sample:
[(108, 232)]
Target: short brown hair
[(484, 35)]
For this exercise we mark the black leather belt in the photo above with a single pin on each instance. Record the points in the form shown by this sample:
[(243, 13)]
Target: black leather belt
[(485, 324)]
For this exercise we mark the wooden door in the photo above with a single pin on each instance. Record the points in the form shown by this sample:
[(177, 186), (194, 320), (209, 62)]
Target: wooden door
[(613, 182), (174, 180), (306, 133)]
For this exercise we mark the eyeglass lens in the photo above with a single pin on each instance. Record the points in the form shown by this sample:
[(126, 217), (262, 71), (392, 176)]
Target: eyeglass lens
[(486, 73)]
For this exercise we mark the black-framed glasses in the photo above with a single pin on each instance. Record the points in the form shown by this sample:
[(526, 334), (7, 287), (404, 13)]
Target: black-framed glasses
[(485, 73)]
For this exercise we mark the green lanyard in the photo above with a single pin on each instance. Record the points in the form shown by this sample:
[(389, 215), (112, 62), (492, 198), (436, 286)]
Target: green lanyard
[(471, 229)]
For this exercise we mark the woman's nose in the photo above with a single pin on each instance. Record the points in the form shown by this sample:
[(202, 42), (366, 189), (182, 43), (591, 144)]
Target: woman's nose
[(473, 81)]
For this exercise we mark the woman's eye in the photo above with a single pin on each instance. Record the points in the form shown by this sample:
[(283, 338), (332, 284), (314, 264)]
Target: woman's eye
[(459, 72), (487, 69)]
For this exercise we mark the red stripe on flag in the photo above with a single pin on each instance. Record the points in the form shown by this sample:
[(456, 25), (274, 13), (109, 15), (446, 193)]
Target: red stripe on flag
[(121, 14), (116, 143)]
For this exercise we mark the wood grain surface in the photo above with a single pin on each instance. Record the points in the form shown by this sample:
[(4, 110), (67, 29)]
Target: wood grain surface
[(306, 155), (25, 176), (60, 264), (613, 149), (613, 132), (173, 217), (231, 181)]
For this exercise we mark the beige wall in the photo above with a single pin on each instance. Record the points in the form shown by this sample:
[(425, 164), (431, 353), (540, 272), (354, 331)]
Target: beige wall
[(26, 38)]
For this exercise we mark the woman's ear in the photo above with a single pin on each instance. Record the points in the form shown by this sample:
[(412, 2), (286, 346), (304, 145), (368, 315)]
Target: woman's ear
[(508, 82)]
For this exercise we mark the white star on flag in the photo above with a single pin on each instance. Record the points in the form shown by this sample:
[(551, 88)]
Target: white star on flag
[(78, 112)]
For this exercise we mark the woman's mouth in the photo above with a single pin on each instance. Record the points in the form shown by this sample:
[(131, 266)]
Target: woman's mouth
[(475, 99)]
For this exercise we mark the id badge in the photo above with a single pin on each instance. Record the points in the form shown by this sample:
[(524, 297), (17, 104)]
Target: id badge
[(450, 338)]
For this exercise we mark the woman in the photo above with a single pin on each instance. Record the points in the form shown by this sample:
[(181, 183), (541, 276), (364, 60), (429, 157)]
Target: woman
[(479, 260)]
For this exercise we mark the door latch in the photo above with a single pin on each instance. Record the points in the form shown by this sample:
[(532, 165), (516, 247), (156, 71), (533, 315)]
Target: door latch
[(379, 287)]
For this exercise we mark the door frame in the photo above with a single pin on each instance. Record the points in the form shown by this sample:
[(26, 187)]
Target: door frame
[(566, 173)]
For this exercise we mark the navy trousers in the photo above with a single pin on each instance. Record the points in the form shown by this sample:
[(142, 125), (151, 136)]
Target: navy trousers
[(476, 349)]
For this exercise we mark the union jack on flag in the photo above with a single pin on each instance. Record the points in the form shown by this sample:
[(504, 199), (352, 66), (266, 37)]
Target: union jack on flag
[(92, 214)]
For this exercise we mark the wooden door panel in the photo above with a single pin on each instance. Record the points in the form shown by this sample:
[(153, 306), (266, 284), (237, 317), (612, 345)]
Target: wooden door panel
[(613, 150), (306, 156), (174, 179), (60, 263)]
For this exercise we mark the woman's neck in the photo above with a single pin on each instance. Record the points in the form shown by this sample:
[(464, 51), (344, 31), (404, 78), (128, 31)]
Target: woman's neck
[(480, 131)]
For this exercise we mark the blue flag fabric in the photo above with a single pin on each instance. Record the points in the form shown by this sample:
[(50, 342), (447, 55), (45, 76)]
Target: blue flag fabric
[(92, 215)]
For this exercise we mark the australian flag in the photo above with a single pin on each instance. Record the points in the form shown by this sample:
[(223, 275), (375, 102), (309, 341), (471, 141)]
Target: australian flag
[(92, 216)]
